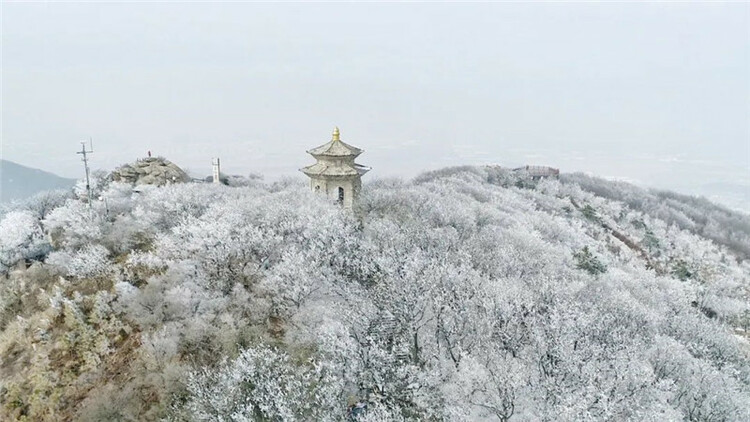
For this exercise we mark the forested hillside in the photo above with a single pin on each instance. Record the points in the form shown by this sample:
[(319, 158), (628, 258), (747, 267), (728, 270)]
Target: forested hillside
[(466, 294)]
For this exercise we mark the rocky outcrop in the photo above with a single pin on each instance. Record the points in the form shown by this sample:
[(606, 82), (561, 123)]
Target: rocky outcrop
[(150, 171)]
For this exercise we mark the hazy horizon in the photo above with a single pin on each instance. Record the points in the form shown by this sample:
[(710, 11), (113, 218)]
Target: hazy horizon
[(656, 94)]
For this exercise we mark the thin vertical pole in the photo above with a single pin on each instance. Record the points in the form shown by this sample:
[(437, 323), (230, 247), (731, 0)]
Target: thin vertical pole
[(85, 160), (216, 170)]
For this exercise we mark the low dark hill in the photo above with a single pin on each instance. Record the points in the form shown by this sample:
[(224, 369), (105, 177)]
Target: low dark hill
[(19, 182)]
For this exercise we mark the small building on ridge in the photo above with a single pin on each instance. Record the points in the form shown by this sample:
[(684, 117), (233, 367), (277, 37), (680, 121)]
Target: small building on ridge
[(335, 173)]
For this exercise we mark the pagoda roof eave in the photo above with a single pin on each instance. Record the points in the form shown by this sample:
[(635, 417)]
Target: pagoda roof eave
[(324, 155), (335, 148), (321, 169), (362, 169)]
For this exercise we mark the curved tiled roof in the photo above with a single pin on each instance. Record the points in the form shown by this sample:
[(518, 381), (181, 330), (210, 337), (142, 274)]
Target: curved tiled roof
[(336, 148), (328, 169), (335, 159)]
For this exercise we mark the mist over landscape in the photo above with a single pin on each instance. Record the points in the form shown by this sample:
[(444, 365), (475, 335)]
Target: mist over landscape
[(363, 212), (655, 94)]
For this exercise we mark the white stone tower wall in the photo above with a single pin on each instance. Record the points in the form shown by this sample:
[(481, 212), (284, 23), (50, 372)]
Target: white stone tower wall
[(331, 189)]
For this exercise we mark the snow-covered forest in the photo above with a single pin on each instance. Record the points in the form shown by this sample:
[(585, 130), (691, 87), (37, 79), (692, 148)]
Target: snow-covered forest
[(466, 294)]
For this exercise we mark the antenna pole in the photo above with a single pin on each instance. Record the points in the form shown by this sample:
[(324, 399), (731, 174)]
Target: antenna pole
[(216, 170), (85, 160)]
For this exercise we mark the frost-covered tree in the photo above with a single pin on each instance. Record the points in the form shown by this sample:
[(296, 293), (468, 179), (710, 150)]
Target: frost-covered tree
[(88, 262), (21, 237), (264, 383), (466, 294)]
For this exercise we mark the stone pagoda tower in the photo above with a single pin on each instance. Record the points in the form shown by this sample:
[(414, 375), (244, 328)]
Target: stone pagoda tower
[(336, 174)]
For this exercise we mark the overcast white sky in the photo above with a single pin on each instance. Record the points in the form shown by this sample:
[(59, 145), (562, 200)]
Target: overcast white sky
[(658, 94)]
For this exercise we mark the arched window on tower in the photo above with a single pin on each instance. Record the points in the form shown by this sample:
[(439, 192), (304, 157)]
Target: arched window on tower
[(341, 195)]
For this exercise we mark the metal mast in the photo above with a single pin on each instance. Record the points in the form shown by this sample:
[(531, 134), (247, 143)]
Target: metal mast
[(86, 166), (216, 170)]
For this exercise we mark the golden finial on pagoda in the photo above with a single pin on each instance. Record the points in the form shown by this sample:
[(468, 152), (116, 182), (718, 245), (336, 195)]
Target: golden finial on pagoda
[(336, 134)]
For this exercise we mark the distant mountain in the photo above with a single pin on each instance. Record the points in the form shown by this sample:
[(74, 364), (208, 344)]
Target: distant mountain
[(733, 195), (19, 182)]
